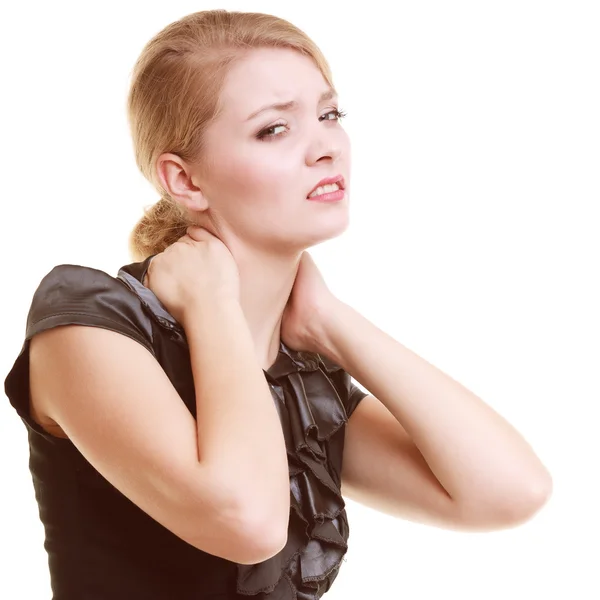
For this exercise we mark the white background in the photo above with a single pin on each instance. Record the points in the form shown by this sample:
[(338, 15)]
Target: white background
[(473, 241)]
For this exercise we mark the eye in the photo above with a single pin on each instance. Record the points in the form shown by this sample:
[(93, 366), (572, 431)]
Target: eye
[(266, 134), (339, 114)]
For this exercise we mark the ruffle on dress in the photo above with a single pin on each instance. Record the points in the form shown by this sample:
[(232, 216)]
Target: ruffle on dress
[(311, 412), (318, 529)]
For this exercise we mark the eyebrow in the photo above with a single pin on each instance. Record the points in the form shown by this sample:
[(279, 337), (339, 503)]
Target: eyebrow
[(292, 104)]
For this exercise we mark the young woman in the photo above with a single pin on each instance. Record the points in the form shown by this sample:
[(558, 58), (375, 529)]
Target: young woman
[(188, 419)]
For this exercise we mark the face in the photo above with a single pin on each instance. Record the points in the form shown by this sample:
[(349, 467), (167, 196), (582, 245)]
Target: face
[(262, 168)]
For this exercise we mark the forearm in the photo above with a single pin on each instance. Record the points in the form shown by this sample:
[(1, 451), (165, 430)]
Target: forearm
[(239, 430), (477, 456)]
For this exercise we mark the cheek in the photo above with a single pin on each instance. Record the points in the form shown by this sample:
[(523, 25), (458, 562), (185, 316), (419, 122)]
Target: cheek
[(262, 178)]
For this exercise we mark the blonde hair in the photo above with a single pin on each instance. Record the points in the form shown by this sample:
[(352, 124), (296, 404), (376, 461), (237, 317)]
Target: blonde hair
[(175, 93)]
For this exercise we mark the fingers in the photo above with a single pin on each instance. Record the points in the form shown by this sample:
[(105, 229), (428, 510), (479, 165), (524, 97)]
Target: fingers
[(198, 233), (145, 280)]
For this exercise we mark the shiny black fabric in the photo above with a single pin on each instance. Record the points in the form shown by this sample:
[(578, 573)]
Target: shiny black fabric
[(100, 545)]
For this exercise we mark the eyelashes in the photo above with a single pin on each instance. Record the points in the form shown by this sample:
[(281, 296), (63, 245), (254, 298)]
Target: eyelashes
[(265, 135)]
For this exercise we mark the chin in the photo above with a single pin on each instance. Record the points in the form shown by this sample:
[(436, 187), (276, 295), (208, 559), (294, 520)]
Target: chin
[(329, 231)]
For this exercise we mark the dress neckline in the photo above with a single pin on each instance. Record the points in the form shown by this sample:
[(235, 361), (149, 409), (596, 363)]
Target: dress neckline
[(288, 360)]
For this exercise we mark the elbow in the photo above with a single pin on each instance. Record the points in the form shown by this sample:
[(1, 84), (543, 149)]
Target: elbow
[(263, 541), (266, 535), (520, 507), (532, 500)]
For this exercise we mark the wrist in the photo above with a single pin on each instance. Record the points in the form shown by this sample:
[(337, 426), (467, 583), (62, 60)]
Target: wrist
[(208, 307), (323, 332)]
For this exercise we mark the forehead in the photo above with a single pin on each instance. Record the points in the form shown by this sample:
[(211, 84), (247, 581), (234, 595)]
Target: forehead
[(270, 75)]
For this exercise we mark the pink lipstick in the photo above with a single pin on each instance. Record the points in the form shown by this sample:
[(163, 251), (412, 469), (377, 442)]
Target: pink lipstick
[(330, 196)]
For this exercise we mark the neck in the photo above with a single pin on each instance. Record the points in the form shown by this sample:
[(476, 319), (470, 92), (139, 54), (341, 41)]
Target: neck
[(266, 282)]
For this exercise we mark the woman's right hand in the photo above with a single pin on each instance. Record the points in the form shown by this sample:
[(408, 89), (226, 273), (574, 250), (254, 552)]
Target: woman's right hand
[(192, 271)]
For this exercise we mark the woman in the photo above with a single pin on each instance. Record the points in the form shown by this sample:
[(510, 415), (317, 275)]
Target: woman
[(205, 460)]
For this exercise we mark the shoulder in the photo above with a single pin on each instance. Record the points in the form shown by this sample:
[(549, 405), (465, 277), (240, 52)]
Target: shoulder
[(76, 294)]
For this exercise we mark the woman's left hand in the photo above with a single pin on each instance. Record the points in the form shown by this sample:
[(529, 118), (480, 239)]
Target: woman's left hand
[(305, 315)]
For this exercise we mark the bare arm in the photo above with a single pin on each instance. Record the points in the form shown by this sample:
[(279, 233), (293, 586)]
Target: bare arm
[(118, 407), (239, 431)]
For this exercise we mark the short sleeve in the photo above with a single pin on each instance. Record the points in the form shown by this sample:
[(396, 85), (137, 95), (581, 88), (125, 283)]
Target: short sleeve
[(351, 394), (355, 395), (75, 295)]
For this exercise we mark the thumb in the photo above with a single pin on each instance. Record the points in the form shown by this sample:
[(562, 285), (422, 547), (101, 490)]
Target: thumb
[(198, 233)]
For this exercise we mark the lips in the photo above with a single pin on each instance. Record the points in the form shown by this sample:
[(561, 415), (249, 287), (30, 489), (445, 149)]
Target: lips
[(335, 179)]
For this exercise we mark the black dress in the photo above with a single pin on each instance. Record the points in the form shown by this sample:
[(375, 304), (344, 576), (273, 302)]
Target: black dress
[(100, 545)]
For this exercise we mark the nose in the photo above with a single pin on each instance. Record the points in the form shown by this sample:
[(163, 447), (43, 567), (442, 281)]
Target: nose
[(327, 145)]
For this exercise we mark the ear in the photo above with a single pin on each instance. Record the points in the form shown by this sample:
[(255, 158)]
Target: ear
[(175, 176)]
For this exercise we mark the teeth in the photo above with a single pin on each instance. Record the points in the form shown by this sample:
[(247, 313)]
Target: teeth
[(325, 189)]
